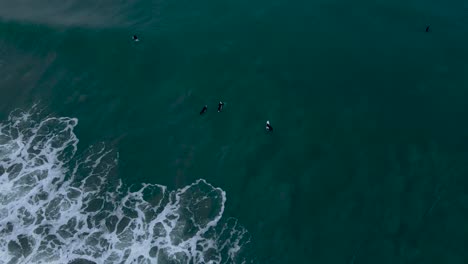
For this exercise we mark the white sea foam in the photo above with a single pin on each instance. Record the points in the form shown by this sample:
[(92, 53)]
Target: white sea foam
[(60, 207)]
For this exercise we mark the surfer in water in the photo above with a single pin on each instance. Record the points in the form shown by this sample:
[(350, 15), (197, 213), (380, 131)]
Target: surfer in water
[(427, 28), (135, 38), (268, 127), (220, 106), (204, 109)]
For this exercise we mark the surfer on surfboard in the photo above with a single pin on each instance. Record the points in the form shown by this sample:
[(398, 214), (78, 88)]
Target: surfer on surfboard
[(268, 127), (204, 109), (220, 106)]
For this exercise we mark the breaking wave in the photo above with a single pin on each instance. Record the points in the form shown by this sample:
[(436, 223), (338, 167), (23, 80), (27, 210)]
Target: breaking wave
[(57, 206)]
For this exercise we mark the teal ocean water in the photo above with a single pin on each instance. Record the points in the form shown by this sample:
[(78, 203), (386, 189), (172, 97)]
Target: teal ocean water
[(104, 157)]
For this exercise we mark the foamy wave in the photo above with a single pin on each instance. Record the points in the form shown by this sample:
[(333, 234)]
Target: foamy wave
[(56, 207)]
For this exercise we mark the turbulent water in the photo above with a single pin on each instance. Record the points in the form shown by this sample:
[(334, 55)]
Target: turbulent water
[(367, 162), (56, 207)]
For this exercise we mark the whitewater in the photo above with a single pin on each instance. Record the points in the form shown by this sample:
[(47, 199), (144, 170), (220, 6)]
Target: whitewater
[(62, 205)]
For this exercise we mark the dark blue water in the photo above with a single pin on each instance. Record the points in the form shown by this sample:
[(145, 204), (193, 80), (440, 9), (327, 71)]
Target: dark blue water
[(366, 163)]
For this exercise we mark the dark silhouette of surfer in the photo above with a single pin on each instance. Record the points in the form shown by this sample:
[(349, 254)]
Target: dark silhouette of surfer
[(135, 38), (220, 106), (268, 127), (204, 109), (427, 28)]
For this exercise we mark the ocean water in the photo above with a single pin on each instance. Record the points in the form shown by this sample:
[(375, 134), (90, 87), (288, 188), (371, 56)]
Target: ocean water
[(104, 157)]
